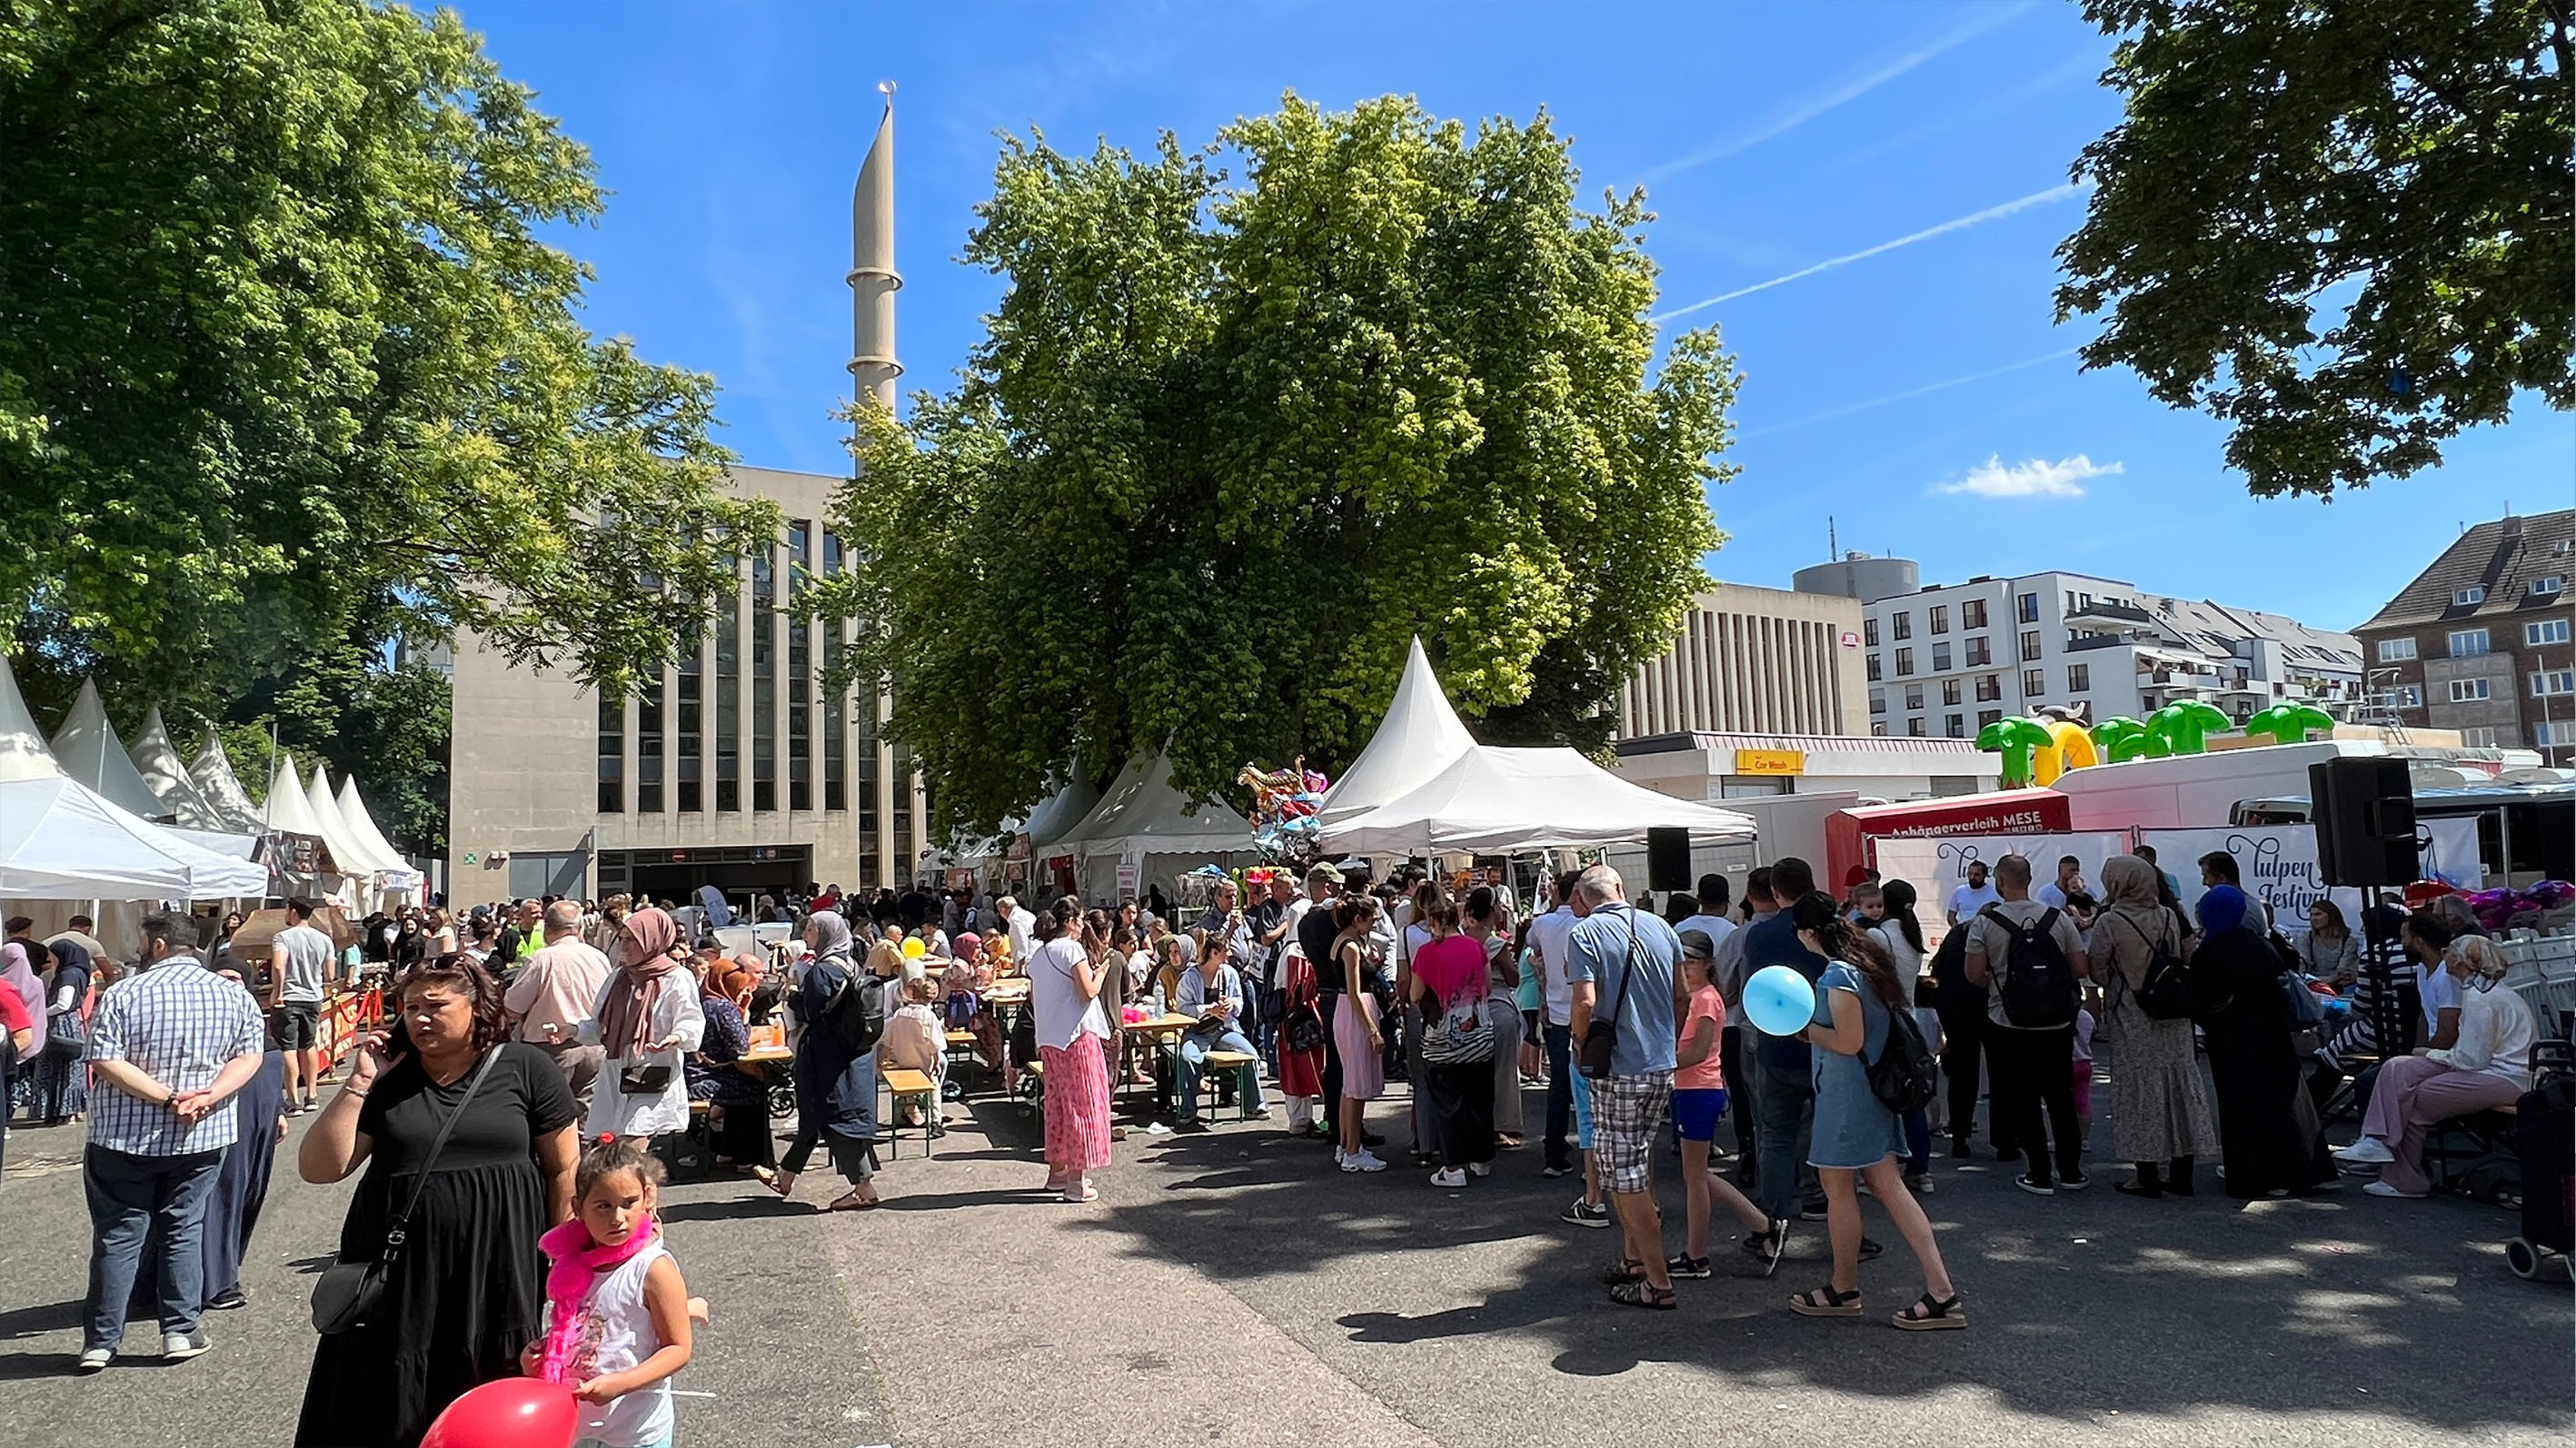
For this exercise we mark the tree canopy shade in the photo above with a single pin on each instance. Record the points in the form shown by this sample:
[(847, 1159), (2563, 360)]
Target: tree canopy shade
[(2402, 165), (1228, 445), (286, 363)]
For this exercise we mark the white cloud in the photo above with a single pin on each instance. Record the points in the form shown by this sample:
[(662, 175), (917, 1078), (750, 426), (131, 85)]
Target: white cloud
[(2034, 479)]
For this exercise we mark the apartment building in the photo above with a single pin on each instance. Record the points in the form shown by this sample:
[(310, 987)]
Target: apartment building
[(1948, 659), (2478, 642)]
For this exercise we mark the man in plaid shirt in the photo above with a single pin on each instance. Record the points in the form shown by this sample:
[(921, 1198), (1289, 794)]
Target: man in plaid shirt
[(170, 1046)]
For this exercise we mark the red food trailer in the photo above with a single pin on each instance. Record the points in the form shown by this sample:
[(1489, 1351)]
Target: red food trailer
[(1850, 833)]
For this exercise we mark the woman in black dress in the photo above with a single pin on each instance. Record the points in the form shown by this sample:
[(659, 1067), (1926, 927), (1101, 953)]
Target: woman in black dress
[(2236, 995), (467, 1291)]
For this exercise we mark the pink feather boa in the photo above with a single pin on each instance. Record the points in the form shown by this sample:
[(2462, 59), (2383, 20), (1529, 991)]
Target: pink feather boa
[(577, 1263)]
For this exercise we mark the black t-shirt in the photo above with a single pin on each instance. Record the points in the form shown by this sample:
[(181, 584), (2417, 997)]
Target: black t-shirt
[(523, 1099), (1316, 932)]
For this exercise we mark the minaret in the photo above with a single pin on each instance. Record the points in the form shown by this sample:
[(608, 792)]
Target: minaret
[(873, 369)]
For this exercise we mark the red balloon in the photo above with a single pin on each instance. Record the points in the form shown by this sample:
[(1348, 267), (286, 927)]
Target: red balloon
[(508, 1413)]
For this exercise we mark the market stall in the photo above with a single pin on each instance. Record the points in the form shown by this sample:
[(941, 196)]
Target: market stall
[(1493, 800), (1144, 832)]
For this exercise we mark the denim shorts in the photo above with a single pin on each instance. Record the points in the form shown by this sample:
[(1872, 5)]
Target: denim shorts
[(1697, 1110)]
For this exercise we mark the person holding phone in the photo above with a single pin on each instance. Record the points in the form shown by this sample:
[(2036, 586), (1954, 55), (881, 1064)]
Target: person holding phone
[(466, 1292)]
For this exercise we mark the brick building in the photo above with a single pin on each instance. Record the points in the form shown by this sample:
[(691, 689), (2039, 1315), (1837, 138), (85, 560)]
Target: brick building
[(2479, 641)]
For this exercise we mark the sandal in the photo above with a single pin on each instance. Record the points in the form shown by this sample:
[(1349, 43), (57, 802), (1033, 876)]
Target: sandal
[(1626, 1269), (781, 1182), (1638, 1292), (1088, 1193), (1931, 1314), (1826, 1302), (852, 1202)]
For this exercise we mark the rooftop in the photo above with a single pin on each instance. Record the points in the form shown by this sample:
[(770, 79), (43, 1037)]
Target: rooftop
[(2488, 571)]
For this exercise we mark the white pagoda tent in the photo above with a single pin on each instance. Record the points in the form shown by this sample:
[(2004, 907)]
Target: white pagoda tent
[(62, 840), (167, 777), (1495, 801), (1419, 736), (212, 773), (1145, 822), (354, 855), (88, 750), (362, 826), (1060, 813)]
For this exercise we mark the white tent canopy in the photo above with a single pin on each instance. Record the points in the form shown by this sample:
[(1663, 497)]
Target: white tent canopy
[(213, 775), (1419, 737), (88, 750), (353, 812), (288, 811), (1061, 813), (1492, 800), (1143, 814), (168, 779), (354, 855), (61, 840)]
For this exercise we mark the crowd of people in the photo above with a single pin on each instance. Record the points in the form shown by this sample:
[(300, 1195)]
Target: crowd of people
[(539, 1061)]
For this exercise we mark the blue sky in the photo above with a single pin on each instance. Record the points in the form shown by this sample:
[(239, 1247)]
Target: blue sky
[(1894, 391)]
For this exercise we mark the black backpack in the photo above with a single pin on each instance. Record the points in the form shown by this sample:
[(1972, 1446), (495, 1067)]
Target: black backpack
[(855, 1015), (2039, 985), (2164, 993), (1904, 1077), (1951, 989)]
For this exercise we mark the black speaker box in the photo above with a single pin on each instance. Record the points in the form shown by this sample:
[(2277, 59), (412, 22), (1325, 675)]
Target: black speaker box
[(1668, 862), (2364, 812)]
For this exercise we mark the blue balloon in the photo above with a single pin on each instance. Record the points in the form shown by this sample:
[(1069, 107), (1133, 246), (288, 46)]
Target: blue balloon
[(1779, 1001)]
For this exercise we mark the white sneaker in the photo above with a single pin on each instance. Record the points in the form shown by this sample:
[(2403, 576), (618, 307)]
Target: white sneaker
[(2383, 1189), (1449, 1176), (1480, 1168), (1339, 1156), (95, 1359), (1362, 1160), (178, 1347), (2369, 1150)]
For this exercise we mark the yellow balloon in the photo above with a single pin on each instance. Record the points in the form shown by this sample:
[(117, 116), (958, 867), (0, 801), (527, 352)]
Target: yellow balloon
[(2069, 747), (913, 949)]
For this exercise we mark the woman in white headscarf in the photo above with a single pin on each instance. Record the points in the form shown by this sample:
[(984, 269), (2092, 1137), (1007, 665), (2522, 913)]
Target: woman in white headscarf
[(836, 1087)]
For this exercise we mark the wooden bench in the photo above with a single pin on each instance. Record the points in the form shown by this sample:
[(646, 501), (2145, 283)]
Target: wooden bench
[(961, 1051), (900, 1083), (1247, 1079)]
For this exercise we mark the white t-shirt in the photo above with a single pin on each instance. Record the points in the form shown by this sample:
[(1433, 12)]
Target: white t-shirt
[(1019, 931), (2438, 990), (1965, 901), (1061, 1011), (1909, 961), (1717, 926), (2050, 896), (1548, 934)]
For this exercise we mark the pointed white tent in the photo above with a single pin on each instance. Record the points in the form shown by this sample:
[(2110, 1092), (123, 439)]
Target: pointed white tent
[(1143, 814), (354, 854), (1061, 813), (62, 840), (213, 775), (288, 811), (168, 779), (362, 825), (1492, 800), (87, 748), (1419, 737)]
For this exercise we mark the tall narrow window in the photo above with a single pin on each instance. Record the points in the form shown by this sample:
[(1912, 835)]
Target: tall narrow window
[(612, 755), (800, 673), (728, 701), (765, 625), (648, 745), (691, 727), (835, 782)]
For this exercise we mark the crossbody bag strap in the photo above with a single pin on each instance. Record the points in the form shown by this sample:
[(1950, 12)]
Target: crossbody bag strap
[(1626, 967), (395, 1230)]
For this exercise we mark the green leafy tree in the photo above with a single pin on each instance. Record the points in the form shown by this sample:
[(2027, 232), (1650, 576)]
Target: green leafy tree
[(2401, 167), (288, 366), (1227, 445)]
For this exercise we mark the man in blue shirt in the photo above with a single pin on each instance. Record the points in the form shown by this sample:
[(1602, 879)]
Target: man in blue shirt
[(1621, 962), (1786, 1100)]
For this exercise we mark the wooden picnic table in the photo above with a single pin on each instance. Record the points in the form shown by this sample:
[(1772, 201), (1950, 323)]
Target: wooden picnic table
[(764, 1055)]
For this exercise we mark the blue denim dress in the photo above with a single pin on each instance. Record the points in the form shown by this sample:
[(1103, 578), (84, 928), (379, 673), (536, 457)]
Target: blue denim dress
[(1852, 1129)]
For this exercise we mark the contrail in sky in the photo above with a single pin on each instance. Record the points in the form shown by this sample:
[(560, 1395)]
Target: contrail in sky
[(1799, 113), (1906, 395), (2036, 198)]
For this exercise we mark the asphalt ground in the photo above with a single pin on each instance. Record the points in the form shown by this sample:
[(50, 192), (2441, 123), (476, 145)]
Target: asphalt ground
[(1236, 1288)]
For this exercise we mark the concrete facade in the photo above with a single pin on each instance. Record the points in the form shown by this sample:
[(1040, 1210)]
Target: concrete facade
[(1764, 660), (2479, 641), (731, 768)]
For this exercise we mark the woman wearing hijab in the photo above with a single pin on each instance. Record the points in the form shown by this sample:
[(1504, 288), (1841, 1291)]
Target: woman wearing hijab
[(836, 1088), (2160, 1116), (62, 1075), (2486, 1067), (2236, 995), (646, 1022), (738, 1099)]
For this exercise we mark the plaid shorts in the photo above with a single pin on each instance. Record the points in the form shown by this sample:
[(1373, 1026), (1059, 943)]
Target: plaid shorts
[(1624, 1112)]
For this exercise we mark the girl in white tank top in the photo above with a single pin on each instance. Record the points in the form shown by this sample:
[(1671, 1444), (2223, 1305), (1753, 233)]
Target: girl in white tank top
[(617, 1311)]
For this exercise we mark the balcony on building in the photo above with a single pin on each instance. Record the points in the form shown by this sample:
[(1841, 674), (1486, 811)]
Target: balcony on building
[(2109, 608)]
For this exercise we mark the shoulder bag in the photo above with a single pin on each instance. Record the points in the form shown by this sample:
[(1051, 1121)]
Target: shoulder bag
[(351, 1294), (1601, 1034)]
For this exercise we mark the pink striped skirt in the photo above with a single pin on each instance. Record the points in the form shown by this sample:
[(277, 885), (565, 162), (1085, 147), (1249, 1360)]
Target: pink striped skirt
[(1077, 1105)]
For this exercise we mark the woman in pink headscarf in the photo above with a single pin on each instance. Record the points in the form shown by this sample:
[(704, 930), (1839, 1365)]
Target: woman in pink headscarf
[(1458, 1043), (647, 1021)]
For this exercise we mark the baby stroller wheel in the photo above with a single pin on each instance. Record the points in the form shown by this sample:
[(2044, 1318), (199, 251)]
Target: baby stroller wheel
[(2522, 1257)]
